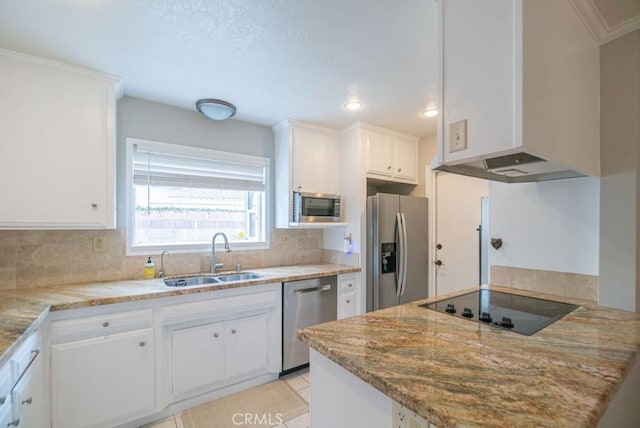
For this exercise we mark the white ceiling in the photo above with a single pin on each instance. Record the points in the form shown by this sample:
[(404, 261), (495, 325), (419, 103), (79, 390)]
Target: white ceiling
[(273, 59)]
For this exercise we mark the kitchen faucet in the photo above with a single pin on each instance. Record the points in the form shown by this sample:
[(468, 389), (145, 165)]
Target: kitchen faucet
[(161, 273), (213, 265)]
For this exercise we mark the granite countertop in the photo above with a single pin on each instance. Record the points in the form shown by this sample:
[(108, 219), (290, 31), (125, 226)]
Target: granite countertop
[(454, 372), (21, 311)]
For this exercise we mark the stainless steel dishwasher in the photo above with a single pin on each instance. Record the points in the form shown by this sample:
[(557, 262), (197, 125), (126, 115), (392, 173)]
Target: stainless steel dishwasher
[(307, 302)]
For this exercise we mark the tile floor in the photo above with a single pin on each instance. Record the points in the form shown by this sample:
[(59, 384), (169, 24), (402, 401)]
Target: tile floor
[(298, 380)]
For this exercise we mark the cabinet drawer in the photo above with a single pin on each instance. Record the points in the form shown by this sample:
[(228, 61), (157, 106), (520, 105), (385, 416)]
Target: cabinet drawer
[(101, 325), (348, 284)]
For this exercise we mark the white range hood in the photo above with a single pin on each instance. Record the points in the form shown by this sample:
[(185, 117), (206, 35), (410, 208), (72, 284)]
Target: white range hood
[(518, 167), (519, 91)]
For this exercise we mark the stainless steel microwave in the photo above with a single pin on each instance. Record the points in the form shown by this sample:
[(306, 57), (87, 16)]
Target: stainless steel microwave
[(316, 208)]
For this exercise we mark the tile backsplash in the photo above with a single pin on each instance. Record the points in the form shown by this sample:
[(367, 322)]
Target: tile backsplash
[(564, 284), (54, 257)]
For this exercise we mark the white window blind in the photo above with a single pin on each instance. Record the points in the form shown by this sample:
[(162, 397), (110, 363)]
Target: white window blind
[(155, 168), (179, 196)]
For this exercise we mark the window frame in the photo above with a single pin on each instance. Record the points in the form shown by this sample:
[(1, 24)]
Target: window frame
[(185, 150)]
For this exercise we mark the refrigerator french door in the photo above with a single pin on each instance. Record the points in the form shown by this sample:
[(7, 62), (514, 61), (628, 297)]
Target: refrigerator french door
[(397, 232)]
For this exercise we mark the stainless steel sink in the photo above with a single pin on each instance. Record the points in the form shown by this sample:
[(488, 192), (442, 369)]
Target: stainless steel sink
[(194, 280), (238, 277), (210, 279)]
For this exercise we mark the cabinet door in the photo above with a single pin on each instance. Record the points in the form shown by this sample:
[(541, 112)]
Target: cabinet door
[(348, 299), (197, 358), (347, 305), (57, 156), (29, 405), (379, 154), (103, 381), (405, 159), (315, 161), (246, 347)]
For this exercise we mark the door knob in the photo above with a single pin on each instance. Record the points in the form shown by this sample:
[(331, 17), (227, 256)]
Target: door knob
[(439, 263)]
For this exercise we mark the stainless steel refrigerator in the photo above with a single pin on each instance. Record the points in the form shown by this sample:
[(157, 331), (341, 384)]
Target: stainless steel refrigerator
[(397, 232)]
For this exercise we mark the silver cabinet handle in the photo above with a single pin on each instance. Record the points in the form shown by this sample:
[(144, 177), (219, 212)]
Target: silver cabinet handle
[(27, 401), (142, 344), (215, 335), (320, 288), (3, 399), (348, 301), (105, 324), (389, 168), (350, 285), (233, 331), (399, 169), (94, 205), (14, 423)]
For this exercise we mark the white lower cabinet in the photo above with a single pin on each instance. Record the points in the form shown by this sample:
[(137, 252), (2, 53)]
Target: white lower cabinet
[(24, 398), (5, 413), (28, 398), (349, 295), (6, 383), (197, 358), (246, 346), (211, 355), (103, 381), (124, 364)]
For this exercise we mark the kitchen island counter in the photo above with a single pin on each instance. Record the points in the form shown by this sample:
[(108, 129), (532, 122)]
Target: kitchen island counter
[(455, 372)]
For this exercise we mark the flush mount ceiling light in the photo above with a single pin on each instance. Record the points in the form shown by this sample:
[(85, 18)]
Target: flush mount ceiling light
[(353, 105), (216, 109), (430, 112)]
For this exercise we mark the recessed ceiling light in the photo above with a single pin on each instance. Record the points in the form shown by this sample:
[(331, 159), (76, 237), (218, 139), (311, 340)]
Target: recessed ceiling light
[(430, 112), (353, 105)]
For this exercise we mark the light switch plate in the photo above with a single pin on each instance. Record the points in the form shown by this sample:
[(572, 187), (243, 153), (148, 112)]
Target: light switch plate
[(458, 136)]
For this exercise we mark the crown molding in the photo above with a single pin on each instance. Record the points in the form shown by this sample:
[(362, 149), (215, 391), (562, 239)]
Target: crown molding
[(598, 26)]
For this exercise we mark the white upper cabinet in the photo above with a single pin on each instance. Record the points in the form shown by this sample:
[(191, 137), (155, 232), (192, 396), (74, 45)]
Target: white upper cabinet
[(306, 160), (524, 74), (379, 154), (314, 161), (405, 159), (390, 156), (57, 145)]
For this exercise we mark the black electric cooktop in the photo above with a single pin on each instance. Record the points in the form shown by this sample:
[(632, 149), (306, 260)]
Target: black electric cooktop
[(524, 315)]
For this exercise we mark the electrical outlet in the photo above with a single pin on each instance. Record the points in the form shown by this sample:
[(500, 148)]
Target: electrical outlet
[(98, 244), (405, 418), (399, 416), (458, 136)]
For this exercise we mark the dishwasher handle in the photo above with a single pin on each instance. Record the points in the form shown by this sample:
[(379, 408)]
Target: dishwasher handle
[(320, 288)]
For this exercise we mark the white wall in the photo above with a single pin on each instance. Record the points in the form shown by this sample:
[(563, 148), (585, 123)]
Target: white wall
[(620, 158), (550, 225), (159, 122)]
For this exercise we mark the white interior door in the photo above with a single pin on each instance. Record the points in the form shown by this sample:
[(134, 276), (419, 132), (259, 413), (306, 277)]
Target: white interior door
[(458, 215)]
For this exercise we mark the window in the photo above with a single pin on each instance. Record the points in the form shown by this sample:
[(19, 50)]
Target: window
[(179, 196)]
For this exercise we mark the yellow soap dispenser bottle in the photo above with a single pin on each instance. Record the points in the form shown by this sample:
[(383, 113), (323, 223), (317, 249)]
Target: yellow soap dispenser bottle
[(149, 269)]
